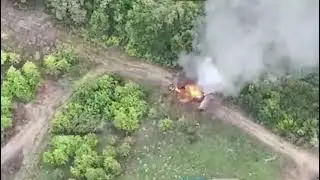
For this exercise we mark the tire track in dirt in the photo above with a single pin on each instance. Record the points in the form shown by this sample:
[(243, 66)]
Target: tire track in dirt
[(35, 29)]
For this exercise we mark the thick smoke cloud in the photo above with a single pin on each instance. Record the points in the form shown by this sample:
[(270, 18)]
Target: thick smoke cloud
[(239, 40)]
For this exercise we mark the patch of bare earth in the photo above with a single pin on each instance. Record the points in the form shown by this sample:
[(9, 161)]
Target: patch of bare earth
[(33, 30)]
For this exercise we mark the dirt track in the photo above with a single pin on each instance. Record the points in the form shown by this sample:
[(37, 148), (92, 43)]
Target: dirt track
[(34, 30)]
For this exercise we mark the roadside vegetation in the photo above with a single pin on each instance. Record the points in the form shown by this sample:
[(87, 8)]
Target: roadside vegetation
[(159, 30), (19, 83), (289, 106), (21, 78)]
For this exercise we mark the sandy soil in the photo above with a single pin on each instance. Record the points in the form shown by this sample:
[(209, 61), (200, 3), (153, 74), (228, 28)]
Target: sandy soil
[(34, 31)]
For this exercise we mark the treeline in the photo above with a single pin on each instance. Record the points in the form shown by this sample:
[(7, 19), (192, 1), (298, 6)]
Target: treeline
[(154, 30), (159, 30)]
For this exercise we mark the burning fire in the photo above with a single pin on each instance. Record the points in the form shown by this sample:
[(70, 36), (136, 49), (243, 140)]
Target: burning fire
[(189, 92)]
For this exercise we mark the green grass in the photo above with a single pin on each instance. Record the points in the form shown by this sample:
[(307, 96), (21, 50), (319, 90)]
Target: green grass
[(221, 152)]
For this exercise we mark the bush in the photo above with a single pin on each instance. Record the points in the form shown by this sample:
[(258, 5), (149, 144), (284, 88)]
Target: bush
[(60, 62), (130, 140), (16, 85), (110, 151), (129, 107), (96, 174), (165, 124), (124, 149), (9, 58), (86, 158), (112, 140), (88, 108), (62, 148), (32, 75), (6, 113), (112, 166)]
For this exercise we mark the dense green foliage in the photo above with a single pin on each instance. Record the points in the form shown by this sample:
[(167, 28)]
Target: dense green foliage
[(9, 58), (60, 61), (105, 100), (18, 85), (128, 108), (98, 102), (289, 106), (155, 30)]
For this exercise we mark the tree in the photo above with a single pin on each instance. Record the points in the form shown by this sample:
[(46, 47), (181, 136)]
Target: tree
[(70, 11)]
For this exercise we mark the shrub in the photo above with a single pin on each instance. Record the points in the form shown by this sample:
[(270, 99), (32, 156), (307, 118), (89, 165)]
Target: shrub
[(112, 140), (96, 174), (16, 85), (129, 107), (112, 166), (110, 151), (6, 113), (85, 158), (130, 140), (165, 124), (9, 58), (88, 108), (124, 149), (32, 75), (62, 148), (60, 62)]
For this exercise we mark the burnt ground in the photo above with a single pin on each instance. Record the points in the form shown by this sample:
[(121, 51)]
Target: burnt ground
[(33, 31)]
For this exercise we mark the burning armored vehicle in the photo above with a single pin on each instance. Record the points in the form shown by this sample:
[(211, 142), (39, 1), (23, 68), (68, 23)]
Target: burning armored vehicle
[(189, 91)]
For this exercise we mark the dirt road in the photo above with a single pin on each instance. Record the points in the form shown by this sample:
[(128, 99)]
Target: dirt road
[(34, 30)]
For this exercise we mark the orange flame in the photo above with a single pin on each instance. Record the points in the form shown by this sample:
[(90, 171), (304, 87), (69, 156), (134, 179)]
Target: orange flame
[(190, 92)]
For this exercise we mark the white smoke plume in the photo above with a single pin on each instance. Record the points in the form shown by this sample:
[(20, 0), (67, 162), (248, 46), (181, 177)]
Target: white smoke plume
[(239, 40)]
